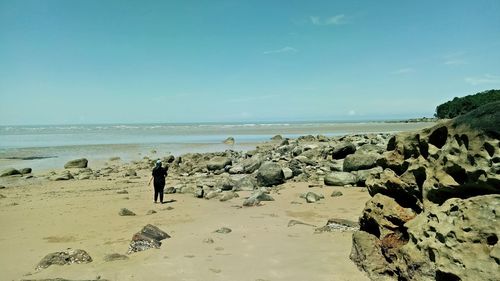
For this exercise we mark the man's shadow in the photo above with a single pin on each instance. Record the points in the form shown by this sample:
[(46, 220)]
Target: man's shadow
[(169, 201)]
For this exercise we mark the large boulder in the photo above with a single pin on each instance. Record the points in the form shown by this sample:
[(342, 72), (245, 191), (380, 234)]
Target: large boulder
[(339, 179), (344, 149), (270, 174), (9, 172), (218, 163), (251, 164), (360, 161)]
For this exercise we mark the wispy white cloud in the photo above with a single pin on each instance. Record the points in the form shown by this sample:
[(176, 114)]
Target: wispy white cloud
[(334, 20), (253, 98), (484, 79), (286, 49), (403, 70), (351, 112)]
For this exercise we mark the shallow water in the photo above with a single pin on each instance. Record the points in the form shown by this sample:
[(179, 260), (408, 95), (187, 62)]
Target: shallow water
[(55, 145)]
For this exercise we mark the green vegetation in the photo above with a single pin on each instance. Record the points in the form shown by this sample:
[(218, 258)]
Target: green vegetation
[(459, 106)]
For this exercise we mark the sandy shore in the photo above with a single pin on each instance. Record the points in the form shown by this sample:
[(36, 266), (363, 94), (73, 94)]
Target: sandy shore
[(41, 217)]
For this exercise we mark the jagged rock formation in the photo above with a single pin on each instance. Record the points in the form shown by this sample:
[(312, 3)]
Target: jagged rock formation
[(434, 214)]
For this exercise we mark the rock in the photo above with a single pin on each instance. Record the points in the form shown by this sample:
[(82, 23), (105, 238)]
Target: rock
[(339, 179), (336, 193), (122, 192), (218, 163), (456, 240), (168, 159), (434, 214), (383, 215), (149, 237), (62, 176), (77, 163), (305, 160), (338, 225), (226, 183), (277, 138), (366, 253), (9, 172), (199, 193), (270, 174), (114, 158), (312, 197), (238, 169), (288, 173), (363, 175), (251, 164), (246, 183), (150, 212), (126, 212), (115, 257), (70, 256), (341, 151), (256, 198), (169, 190), (130, 173), (223, 230), (360, 161), (229, 141), (25, 171), (213, 194), (228, 196)]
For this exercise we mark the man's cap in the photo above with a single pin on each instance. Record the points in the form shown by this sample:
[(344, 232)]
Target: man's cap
[(158, 161)]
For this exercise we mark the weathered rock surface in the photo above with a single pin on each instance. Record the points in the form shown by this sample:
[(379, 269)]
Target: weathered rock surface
[(218, 162), (360, 161), (270, 174), (339, 179), (77, 163), (435, 209), (149, 237), (70, 256), (342, 151)]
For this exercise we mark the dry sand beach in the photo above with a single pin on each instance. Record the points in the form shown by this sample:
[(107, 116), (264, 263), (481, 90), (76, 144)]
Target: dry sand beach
[(40, 217)]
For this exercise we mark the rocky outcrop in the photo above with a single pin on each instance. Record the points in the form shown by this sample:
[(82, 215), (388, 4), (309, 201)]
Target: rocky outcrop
[(435, 211)]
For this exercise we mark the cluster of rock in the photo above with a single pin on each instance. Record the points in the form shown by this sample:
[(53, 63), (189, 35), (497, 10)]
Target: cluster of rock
[(434, 214)]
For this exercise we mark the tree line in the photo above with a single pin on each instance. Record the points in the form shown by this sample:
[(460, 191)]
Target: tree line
[(459, 106)]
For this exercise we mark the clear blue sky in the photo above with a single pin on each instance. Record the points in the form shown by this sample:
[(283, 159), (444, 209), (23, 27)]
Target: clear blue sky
[(121, 61)]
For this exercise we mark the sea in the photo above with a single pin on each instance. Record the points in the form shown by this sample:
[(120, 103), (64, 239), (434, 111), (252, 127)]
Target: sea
[(45, 147)]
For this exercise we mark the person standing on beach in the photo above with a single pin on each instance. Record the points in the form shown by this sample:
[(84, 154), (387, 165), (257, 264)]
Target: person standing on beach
[(158, 175)]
